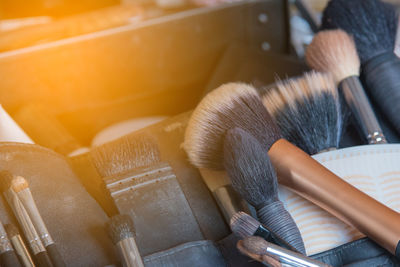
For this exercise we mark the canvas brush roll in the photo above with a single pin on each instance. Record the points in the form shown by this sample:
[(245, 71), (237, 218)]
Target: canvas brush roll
[(382, 76)]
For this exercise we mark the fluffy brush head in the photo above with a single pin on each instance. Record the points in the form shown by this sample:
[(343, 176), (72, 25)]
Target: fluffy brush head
[(249, 168), (372, 23), (229, 106), (243, 225), (334, 51), (307, 110), (120, 227), (127, 153)]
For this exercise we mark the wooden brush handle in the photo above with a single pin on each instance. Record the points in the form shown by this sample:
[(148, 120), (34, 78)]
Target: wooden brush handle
[(9, 259), (304, 175)]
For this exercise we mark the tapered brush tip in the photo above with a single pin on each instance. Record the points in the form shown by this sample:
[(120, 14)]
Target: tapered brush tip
[(229, 106), (19, 183), (5, 180), (120, 227), (334, 51), (11, 230), (243, 225), (249, 168)]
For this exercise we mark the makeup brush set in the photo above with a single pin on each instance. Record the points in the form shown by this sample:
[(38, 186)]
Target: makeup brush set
[(257, 174)]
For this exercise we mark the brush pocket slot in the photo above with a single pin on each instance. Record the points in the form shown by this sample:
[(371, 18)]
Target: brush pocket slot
[(73, 218)]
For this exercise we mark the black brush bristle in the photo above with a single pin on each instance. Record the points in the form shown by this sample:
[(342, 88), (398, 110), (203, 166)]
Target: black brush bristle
[(372, 23), (120, 227), (249, 168), (124, 154), (229, 106), (308, 111)]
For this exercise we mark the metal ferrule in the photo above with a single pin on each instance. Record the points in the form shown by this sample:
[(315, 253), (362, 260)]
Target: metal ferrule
[(46, 239), (292, 258), (36, 245), (360, 106), (5, 244)]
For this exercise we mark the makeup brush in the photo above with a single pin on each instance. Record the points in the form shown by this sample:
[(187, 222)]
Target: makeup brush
[(372, 24), (8, 258), (243, 225), (334, 52), (307, 110), (19, 245), (260, 250), (254, 178), (239, 105), (122, 232), (24, 220), (21, 187)]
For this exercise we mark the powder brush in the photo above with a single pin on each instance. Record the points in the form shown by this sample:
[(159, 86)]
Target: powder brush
[(307, 110), (334, 51), (254, 178), (372, 24), (239, 105)]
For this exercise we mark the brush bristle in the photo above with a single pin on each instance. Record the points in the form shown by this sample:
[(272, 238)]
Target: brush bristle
[(120, 227), (229, 106), (255, 245), (19, 183), (127, 153), (11, 230), (249, 168), (307, 111), (243, 225), (334, 52), (5, 180), (372, 24)]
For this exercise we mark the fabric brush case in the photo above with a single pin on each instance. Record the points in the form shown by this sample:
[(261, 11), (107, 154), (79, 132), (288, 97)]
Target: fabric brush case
[(73, 218)]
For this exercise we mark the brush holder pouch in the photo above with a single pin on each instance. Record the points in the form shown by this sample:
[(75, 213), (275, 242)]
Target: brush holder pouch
[(381, 76), (73, 218)]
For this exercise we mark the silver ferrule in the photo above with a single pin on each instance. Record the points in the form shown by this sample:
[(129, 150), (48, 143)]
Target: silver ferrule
[(129, 253), (292, 258), (36, 245), (360, 106), (5, 244)]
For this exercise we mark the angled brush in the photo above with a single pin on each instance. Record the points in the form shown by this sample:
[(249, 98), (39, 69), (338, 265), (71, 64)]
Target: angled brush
[(239, 105), (307, 110), (254, 178), (372, 23), (334, 51)]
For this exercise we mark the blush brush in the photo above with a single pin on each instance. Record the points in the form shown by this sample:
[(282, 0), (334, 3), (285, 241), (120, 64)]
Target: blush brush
[(254, 178), (334, 51), (239, 105), (372, 24)]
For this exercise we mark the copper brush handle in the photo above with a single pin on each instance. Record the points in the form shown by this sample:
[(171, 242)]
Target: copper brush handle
[(308, 178)]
